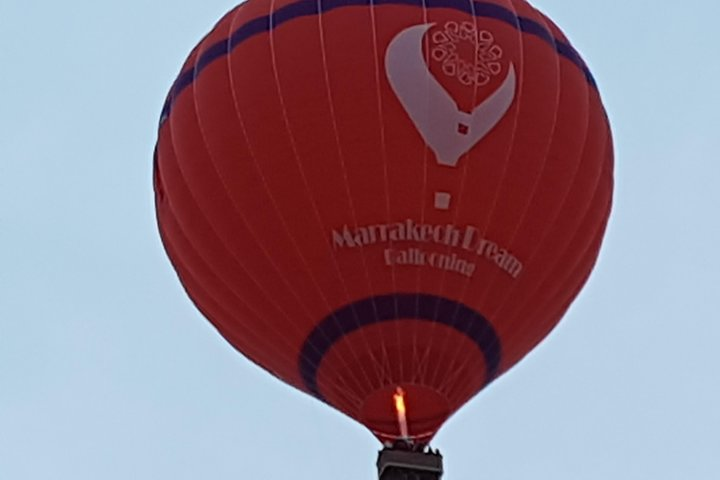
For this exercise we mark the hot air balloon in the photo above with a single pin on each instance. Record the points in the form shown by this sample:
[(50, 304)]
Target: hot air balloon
[(384, 203)]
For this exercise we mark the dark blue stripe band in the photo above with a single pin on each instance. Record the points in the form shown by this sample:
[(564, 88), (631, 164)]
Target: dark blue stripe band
[(304, 8), (401, 306)]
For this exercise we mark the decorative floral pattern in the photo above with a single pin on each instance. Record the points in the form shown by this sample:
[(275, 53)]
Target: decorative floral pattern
[(457, 44)]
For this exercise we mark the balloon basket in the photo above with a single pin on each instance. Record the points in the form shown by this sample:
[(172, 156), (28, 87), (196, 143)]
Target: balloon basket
[(406, 461)]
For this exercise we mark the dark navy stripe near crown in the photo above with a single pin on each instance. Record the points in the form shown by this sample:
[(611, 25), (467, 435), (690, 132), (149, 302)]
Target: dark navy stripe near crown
[(400, 306), (304, 8)]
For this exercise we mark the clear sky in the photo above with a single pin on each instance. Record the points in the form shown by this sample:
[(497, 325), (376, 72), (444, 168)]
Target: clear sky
[(108, 372)]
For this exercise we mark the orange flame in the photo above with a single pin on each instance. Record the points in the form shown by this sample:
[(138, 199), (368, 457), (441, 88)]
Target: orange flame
[(399, 398), (400, 401)]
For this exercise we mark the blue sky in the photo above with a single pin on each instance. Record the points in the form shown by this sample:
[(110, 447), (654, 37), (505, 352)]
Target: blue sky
[(107, 371)]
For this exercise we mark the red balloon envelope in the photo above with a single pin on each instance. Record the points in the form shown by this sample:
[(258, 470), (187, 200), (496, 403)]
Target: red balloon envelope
[(366, 196)]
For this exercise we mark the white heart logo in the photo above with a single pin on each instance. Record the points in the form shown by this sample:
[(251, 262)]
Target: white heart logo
[(448, 131)]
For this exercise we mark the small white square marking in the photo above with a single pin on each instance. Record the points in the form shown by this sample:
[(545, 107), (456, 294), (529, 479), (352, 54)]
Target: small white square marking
[(442, 200)]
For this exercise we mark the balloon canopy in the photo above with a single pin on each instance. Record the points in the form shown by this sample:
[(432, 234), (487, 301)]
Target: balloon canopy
[(384, 201)]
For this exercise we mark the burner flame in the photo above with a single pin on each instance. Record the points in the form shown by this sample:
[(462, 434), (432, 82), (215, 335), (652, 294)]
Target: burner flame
[(399, 398)]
